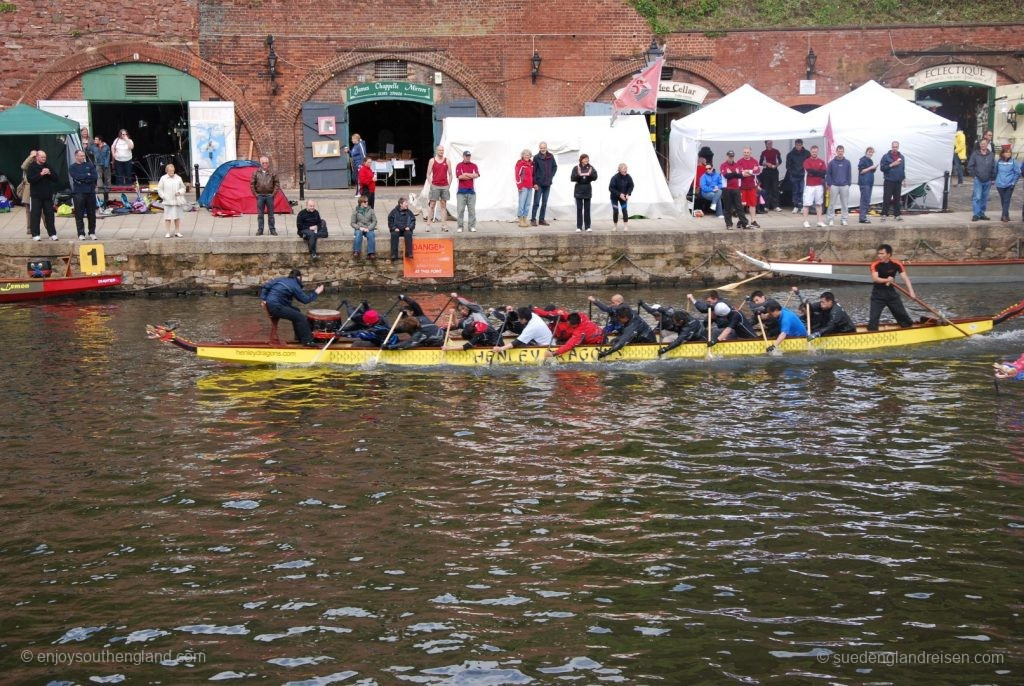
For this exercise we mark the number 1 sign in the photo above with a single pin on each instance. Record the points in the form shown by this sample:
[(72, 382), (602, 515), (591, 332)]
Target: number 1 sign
[(91, 258)]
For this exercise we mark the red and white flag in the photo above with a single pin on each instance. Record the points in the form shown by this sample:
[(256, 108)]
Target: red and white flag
[(830, 140), (641, 93)]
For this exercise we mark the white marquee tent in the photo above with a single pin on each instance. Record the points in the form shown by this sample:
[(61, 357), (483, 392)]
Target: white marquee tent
[(745, 117), (496, 144), (874, 116)]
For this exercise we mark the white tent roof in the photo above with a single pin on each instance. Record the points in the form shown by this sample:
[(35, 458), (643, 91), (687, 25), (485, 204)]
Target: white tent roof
[(496, 144), (745, 117), (874, 116)]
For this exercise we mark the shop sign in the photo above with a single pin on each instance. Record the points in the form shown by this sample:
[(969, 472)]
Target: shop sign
[(389, 90), (944, 73)]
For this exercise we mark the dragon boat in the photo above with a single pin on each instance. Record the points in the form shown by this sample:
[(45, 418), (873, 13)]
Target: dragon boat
[(17, 290), (343, 353), (923, 271)]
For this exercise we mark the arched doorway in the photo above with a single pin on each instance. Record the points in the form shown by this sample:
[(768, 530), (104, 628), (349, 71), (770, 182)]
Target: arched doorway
[(964, 93)]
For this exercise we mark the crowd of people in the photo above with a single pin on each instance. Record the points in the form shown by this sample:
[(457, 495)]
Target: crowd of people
[(713, 319), (745, 187)]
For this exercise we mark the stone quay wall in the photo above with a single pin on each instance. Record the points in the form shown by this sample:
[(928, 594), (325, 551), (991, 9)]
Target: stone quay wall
[(689, 259)]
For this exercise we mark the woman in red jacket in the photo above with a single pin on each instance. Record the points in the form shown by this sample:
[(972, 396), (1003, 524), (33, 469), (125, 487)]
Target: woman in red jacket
[(367, 180), (524, 183)]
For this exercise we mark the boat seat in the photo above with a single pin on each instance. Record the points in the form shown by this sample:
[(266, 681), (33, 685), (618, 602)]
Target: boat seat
[(273, 324)]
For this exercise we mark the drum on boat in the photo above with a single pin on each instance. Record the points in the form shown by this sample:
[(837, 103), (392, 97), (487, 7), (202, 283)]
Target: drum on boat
[(324, 323)]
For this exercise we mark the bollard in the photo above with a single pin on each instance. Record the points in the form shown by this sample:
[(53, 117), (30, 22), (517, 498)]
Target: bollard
[(945, 191), (302, 181), (195, 179)]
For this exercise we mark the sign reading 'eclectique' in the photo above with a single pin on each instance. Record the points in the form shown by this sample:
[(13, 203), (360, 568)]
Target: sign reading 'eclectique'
[(389, 90), (968, 73)]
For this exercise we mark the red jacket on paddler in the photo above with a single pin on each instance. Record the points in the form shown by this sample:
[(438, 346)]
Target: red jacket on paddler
[(562, 330), (587, 333)]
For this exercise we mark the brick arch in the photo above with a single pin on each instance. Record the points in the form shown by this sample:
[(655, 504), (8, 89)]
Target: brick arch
[(57, 74), (721, 79), (439, 61)]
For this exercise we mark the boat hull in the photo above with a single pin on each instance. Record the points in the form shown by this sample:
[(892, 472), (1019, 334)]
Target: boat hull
[(267, 354), (924, 272), (18, 290)]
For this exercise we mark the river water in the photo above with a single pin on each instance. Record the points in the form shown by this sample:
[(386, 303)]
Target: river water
[(830, 519)]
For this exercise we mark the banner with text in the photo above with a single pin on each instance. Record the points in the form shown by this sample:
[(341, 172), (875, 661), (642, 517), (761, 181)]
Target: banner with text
[(432, 258)]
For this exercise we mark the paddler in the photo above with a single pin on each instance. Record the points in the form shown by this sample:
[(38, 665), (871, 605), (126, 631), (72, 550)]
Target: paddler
[(634, 330), (610, 309), (727, 324), (830, 317), (535, 332), (883, 275), (789, 323), (276, 297), (581, 331), (688, 328)]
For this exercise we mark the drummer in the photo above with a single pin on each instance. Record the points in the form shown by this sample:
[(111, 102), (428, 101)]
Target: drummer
[(276, 296)]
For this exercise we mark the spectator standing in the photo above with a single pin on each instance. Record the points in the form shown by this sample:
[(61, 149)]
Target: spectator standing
[(894, 172), (364, 225), (25, 190), (620, 188), (731, 198), (264, 185), (544, 168), (524, 185), (171, 190), (465, 197), (356, 156), (770, 160), (711, 188), (101, 157), (43, 182), (308, 224), (838, 177), (401, 222), (866, 168), (86, 143), (959, 155), (583, 175), (982, 166), (749, 170), (795, 172), (814, 186), (83, 193), (439, 176), (121, 149), (367, 181), (1007, 174)]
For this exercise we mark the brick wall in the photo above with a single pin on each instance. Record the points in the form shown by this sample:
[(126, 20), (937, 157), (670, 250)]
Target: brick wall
[(483, 49)]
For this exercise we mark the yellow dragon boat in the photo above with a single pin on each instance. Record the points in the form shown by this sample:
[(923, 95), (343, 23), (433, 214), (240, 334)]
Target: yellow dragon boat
[(342, 353)]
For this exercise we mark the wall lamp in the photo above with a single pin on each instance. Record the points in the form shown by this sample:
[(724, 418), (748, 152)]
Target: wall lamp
[(654, 53), (1012, 113), (272, 64), (535, 69), (812, 60)]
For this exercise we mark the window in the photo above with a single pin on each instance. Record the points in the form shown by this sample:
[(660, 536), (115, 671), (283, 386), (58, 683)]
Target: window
[(390, 69)]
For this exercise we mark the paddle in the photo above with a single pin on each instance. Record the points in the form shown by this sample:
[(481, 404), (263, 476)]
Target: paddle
[(764, 332), (709, 355), (447, 333), (734, 286), (441, 311), (807, 317), (336, 332), (388, 337), (942, 318), (501, 330)]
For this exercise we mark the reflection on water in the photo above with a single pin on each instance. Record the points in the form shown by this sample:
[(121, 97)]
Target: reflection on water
[(748, 520)]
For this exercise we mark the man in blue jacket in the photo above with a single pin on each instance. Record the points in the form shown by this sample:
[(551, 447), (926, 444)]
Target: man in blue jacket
[(789, 323), (838, 176), (276, 295), (711, 185), (83, 193), (866, 182), (894, 173)]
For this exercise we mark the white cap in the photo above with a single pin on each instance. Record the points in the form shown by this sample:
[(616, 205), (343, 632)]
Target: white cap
[(721, 309), (655, 307)]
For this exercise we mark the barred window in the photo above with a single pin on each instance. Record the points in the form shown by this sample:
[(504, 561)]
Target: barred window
[(390, 69)]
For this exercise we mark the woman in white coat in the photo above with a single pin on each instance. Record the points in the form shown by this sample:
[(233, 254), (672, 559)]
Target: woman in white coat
[(171, 190)]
